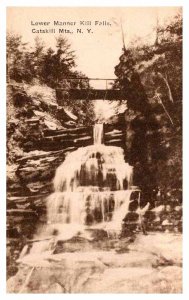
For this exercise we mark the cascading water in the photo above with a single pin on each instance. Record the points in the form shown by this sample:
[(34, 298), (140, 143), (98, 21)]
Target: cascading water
[(91, 185), (98, 133), (92, 188)]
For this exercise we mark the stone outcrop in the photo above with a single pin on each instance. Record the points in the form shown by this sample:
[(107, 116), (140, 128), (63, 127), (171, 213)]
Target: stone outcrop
[(146, 264)]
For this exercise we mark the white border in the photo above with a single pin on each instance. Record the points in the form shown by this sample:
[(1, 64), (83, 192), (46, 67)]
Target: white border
[(99, 3), (102, 3)]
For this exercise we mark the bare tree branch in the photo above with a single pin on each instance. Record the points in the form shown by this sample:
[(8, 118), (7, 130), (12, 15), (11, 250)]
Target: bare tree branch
[(158, 97), (165, 79)]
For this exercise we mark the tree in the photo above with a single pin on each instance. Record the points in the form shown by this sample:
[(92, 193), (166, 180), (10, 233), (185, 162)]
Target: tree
[(15, 47), (53, 67), (151, 77), (38, 58), (19, 59), (57, 65)]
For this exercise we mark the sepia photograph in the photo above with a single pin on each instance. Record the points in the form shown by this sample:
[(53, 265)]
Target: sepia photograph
[(94, 150)]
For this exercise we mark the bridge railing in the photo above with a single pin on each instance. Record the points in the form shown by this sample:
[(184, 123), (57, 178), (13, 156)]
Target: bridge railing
[(105, 92)]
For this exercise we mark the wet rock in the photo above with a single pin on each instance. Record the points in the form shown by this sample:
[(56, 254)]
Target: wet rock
[(104, 271)]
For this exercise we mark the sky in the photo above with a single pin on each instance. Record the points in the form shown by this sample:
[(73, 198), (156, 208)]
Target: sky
[(97, 53)]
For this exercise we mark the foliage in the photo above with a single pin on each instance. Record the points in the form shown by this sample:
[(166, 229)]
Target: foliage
[(50, 67), (57, 64), (151, 76), (19, 63)]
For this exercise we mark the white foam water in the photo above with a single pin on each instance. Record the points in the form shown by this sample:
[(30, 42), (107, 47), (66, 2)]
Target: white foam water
[(91, 188)]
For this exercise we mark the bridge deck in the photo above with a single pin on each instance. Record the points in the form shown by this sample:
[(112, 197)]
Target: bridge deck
[(91, 94)]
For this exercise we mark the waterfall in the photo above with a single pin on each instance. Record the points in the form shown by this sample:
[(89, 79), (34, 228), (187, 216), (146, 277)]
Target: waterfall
[(92, 187), (89, 186), (98, 133)]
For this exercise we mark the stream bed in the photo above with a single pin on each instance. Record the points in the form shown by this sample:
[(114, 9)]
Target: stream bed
[(149, 263)]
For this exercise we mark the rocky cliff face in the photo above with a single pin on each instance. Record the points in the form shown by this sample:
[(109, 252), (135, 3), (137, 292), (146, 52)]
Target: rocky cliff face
[(40, 133)]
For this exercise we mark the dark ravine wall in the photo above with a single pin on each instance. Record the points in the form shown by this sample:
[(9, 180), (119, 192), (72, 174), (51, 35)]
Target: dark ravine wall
[(139, 150), (150, 136), (147, 152), (151, 77)]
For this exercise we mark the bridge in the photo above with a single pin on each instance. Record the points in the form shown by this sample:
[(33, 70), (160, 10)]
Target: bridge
[(90, 93)]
